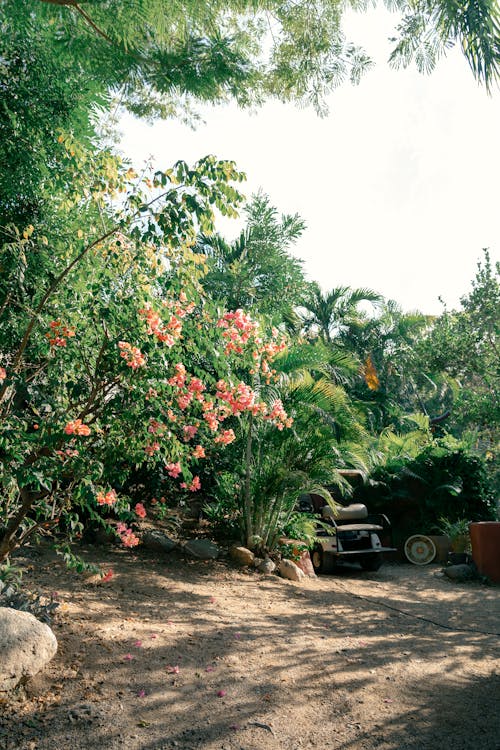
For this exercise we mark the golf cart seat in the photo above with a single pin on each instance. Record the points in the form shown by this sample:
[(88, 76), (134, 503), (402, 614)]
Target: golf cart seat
[(354, 512)]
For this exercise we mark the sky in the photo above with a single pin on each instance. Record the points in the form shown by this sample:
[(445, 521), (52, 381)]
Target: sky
[(398, 186)]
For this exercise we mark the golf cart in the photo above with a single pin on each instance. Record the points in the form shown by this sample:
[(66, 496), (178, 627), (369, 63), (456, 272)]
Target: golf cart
[(350, 535)]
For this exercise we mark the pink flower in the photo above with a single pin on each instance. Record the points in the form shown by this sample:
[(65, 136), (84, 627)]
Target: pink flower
[(173, 670), (210, 669), (141, 693), (151, 448), (189, 431), (226, 437), (140, 510), (128, 657), (221, 693), (199, 452), (194, 486), (129, 539), (173, 470), (109, 498), (137, 644), (76, 427), (132, 355)]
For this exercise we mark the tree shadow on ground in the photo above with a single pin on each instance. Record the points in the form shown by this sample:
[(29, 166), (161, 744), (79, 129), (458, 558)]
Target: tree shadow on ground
[(143, 660)]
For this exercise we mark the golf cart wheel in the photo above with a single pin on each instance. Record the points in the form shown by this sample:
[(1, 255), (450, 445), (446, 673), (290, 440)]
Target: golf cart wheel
[(322, 561), (420, 550), (371, 562)]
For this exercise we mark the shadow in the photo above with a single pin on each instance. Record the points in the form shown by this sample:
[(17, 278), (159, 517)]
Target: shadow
[(181, 654)]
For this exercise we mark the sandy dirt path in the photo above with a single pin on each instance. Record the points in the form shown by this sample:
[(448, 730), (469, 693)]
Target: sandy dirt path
[(175, 654)]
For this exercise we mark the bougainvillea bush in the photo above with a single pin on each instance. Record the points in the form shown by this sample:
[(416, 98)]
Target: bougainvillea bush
[(113, 358)]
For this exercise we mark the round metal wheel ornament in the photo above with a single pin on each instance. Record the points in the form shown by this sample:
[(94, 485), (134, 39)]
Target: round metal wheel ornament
[(420, 549)]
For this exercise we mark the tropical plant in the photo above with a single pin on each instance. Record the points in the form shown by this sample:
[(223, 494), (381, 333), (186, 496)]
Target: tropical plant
[(256, 272), (329, 315)]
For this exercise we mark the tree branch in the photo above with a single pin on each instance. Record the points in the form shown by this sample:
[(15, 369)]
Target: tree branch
[(73, 4)]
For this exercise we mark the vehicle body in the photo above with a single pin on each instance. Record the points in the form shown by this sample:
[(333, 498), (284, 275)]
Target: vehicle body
[(349, 535)]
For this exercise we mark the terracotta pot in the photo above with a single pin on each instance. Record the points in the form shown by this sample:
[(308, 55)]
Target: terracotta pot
[(485, 539)]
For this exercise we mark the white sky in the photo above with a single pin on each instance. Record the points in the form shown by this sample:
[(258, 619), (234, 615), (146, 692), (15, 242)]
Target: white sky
[(399, 185)]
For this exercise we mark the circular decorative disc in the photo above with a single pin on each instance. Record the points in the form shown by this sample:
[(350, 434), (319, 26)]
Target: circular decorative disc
[(420, 550)]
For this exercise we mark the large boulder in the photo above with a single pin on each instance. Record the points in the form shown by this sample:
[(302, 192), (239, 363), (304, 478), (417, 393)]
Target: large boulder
[(203, 549), (288, 569), (26, 646), (241, 555), (158, 541)]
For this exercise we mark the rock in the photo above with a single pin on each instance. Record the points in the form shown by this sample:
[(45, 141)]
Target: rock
[(241, 555), (305, 564), (27, 645), (158, 541), (288, 569), (257, 561), (203, 549), (459, 572), (266, 566)]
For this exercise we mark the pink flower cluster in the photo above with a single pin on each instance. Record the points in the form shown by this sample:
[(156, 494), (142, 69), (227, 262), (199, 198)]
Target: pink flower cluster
[(140, 510), (199, 452), (239, 398), (189, 431), (151, 448), (58, 333), (173, 469), (279, 416), (132, 355), (239, 329), (167, 333), (194, 486), (127, 536), (225, 437), (76, 427), (109, 498)]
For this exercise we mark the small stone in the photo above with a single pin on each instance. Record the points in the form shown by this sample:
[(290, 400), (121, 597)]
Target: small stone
[(203, 549), (158, 541), (266, 566), (241, 555), (459, 572), (288, 569)]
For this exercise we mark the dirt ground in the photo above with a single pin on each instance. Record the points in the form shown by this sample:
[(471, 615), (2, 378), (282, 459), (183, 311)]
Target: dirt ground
[(191, 655)]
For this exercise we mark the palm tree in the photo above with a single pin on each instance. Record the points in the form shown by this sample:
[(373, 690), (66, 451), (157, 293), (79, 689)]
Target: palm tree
[(331, 313)]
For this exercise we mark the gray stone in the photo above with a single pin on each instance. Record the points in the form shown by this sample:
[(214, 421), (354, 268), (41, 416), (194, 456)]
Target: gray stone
[(459, 572), (27, 645), (241, 555), (266, 566), (288, 569), (203, 549), (158, 541)]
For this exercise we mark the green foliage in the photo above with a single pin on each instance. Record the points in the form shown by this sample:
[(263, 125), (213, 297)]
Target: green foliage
[(445, 479), (464, 346), (256, 272)]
